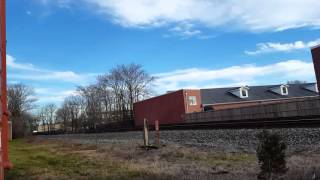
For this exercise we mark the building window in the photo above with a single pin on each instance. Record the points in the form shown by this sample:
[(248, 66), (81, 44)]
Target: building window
[(284, 90), (192, 100), (244, 93)]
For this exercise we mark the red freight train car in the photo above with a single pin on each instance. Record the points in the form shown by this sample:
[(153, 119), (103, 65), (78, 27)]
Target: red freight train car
[(168, 108)]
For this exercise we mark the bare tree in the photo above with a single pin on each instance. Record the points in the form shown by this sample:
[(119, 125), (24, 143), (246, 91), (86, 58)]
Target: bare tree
[(136, 81), (131, 82), (48, 112), (93, 105), (32, 121), (123, 86), (107, 96), (115, 81), (41, 115), (20, 99), (111, 99), (63, 116), (296, 82), (74, 106)]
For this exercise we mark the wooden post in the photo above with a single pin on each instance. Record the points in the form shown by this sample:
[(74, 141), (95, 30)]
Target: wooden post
[(157, 132), (145, 133), (97, 142)]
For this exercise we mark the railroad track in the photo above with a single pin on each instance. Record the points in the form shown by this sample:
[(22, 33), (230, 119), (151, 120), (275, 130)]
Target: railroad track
[(294, 122), (261, 123)]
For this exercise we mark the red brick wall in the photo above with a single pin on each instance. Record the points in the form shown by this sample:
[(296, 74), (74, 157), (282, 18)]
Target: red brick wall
[(316, 62), (192, 108), (167, 109)]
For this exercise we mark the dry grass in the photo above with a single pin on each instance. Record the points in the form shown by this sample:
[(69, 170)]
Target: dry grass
[(56, 160), (181, 162), (48, 159)]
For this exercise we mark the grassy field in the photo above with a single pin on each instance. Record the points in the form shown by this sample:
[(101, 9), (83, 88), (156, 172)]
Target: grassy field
[(39, 158), (43, 159), (54, 161)]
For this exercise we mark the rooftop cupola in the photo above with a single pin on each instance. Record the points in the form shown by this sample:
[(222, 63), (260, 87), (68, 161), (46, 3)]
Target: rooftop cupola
[(281, 90), (241, 92)]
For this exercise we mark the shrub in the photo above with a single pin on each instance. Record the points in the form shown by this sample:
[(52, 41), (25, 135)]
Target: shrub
[(271, 155)]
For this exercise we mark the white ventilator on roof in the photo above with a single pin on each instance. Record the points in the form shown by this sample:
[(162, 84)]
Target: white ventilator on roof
[(241, 92), (312, 87), (281, 90)]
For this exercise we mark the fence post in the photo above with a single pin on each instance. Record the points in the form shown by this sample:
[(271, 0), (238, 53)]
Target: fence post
[(96, 142), (157, 132), (145, 133)]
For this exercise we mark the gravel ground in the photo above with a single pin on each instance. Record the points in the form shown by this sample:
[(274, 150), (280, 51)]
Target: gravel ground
[(227, 140)]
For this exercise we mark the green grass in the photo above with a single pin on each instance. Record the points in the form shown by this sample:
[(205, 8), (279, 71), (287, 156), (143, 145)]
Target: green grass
[(230, 159), (32, 161), (58, 160), (209, 159)]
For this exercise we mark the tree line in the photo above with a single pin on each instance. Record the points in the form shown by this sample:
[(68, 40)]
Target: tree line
[(109, 100)]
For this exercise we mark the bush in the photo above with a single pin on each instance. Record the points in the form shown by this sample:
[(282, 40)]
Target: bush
[(271, 155)]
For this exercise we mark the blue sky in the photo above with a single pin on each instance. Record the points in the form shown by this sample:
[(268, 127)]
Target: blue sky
[(55, 45)]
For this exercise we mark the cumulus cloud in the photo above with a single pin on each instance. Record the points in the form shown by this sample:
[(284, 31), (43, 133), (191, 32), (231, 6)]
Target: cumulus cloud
[(282, 47), (50, 85), (185, 30), (64, 76), (56, 95), (250, 15), (11, 63), (271, 15), (249, 74), (27, 71), (236, 75)]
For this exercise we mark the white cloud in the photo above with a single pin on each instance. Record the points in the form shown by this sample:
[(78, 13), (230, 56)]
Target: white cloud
[(62, 76), (27, 71), (282, 47), (185, 30), (51, 86), (53, 95), (271, 15), (236, 75), (60, 3), (11, 63)]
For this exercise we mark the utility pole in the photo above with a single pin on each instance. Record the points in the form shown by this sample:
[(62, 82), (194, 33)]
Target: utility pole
[(4, 110)]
